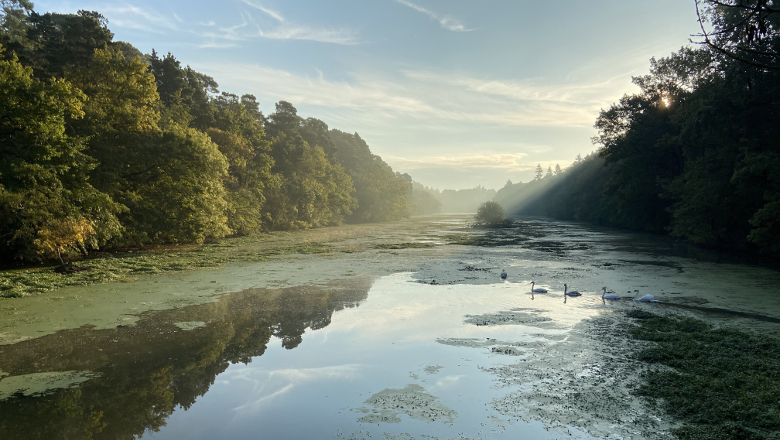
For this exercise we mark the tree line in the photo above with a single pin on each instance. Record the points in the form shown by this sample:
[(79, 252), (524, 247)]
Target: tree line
[(103, 146), (695, 153)]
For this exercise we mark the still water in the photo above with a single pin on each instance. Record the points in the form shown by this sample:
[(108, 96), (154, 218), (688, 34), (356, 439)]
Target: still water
[(386, 355)]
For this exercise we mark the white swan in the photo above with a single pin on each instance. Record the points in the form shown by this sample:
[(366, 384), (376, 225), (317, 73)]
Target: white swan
[(503, 274), (572, 293), (610, 296), (538, 289), (645, 299)]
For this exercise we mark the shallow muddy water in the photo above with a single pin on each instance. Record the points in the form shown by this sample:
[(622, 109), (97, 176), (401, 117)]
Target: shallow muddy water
[(362, 343)]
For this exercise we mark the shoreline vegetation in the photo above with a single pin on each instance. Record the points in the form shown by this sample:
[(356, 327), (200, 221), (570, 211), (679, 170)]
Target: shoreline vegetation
[(128, 266)]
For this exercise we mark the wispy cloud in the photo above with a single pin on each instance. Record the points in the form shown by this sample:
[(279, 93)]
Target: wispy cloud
[(343, 36), (249, 29), (273, 14), (527, 90), (232, 33), (277, 84), (446, 21), (133, 17), (432, 98), (266, 385), (216, 45)]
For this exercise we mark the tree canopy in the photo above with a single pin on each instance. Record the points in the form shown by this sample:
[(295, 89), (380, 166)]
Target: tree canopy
[(490, 213)]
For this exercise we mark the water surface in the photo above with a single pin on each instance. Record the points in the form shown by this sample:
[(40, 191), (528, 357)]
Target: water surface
[(363, 345)]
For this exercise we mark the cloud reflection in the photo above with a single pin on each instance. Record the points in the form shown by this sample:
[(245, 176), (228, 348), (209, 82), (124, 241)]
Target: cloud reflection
[(267, 385)]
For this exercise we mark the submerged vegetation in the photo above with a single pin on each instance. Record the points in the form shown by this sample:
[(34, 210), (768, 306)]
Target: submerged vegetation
[(721, 383)]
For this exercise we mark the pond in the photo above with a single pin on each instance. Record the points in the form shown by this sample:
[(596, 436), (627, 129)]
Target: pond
[(363, 343)]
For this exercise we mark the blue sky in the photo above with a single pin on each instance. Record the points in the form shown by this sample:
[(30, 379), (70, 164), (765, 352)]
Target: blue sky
[(455, 92)]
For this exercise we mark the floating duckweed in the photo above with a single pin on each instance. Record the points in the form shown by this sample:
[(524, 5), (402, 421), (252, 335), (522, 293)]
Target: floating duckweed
[(721, 383), (128, 266)]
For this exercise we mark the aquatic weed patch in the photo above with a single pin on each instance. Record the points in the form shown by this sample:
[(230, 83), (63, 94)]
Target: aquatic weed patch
[(667, 264), (721, 383), (403, 245), (493, 238), (128, 266)]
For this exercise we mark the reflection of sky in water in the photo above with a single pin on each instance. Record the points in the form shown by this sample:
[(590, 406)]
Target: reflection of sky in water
[(316, 390)]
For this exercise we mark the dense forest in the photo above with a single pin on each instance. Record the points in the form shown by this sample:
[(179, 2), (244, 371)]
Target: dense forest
[(103, 146), (695, 153)]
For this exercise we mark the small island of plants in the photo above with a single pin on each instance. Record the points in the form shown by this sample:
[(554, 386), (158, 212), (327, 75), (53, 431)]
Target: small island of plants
[(491, 214)]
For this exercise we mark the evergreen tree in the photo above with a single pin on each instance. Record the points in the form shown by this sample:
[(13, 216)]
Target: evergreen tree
[(539, 173)]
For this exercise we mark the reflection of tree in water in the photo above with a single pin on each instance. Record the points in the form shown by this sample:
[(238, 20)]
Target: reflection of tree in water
[(302, 309), (150, 368)]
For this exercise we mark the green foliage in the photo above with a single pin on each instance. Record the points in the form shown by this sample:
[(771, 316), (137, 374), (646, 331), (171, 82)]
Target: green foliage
[(170, 178), (313, 191), (239, 133), (44, 171), (490, 214), (14, 25), (720, 383), (60, 42), (184, 88), (57, 237), (176, 194), (381, 194)]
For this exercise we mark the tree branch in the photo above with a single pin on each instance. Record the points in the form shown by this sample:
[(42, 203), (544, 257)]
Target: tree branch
[(727, 52)]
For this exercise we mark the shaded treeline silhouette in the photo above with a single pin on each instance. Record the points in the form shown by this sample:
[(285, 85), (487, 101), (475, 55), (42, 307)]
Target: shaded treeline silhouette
[(695, 153), (103, 146), (143, 372)]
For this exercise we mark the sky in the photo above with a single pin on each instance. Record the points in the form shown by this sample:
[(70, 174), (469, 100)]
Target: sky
[(457, 93)]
